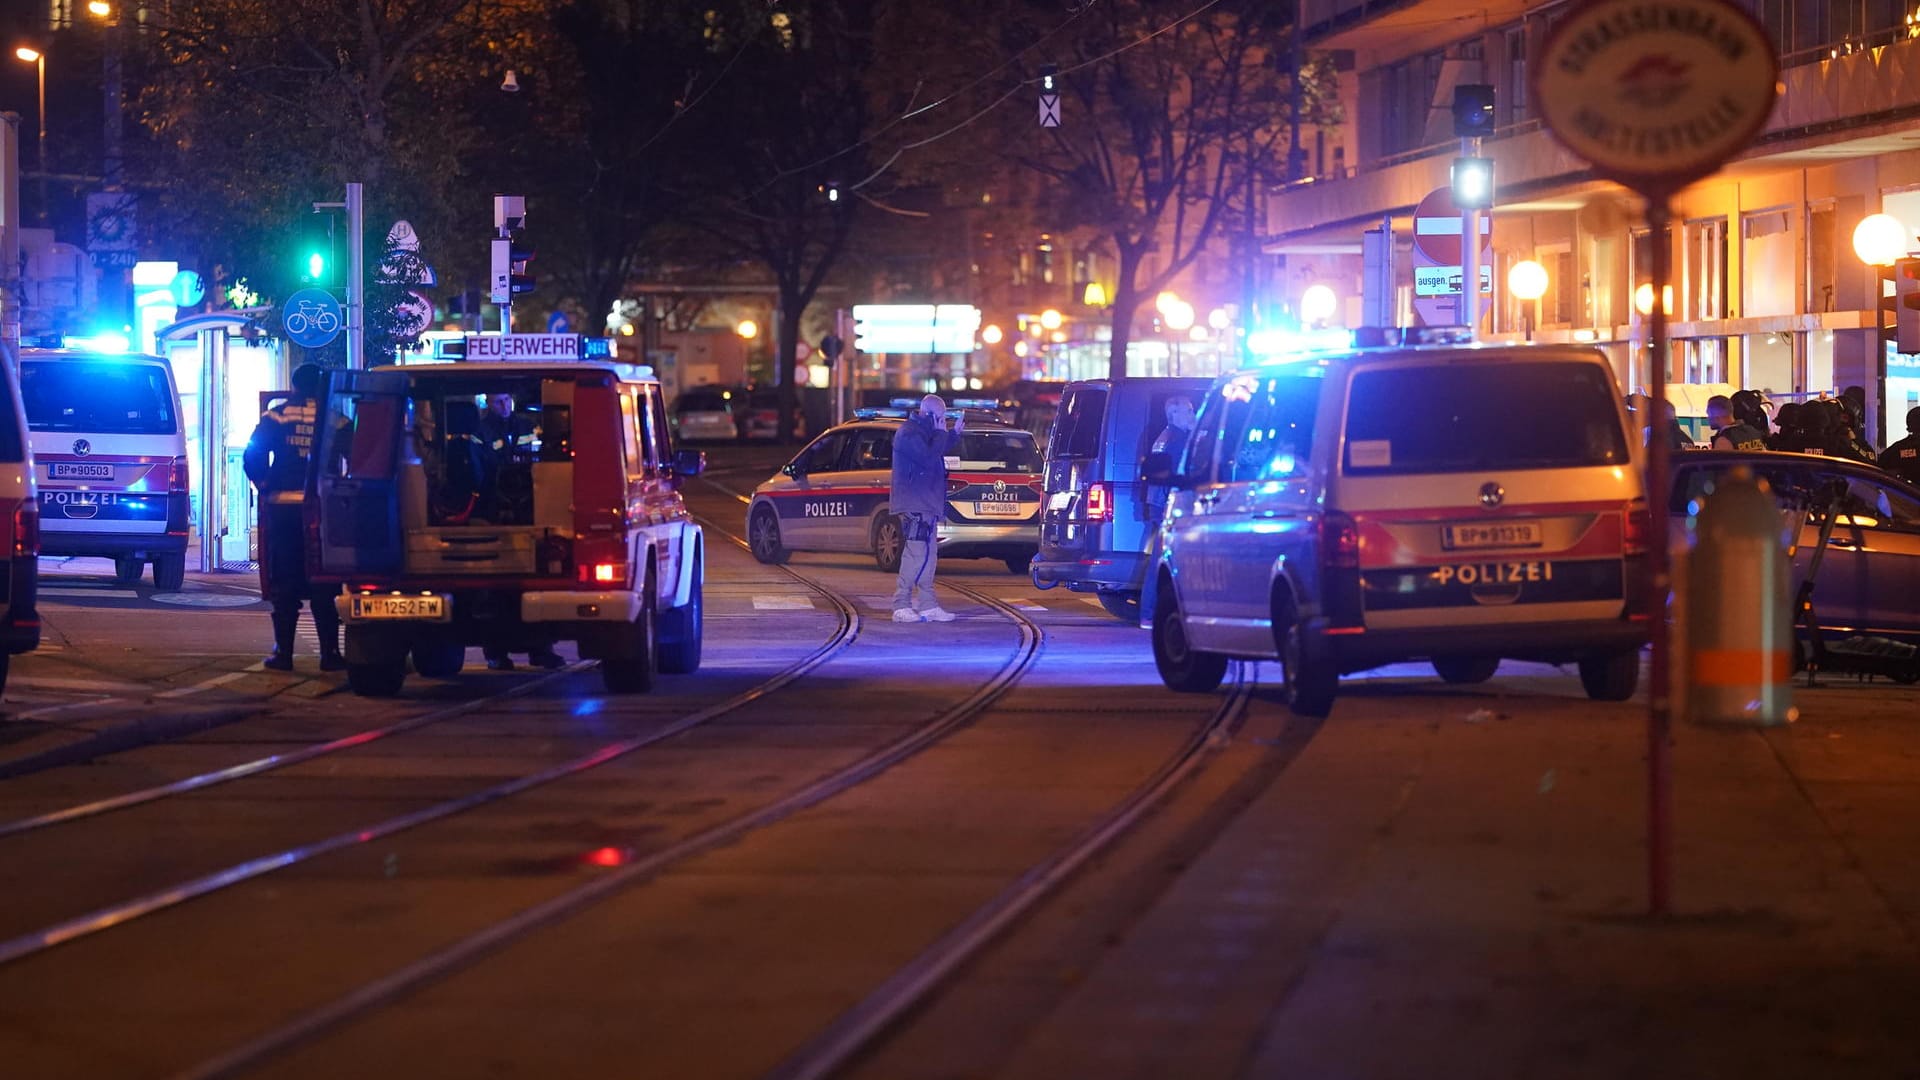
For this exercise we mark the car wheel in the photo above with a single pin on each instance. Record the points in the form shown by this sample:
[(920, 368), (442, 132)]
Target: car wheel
[(681, 632), (888, 543), (763, 537), (442, 661), (1124, 606), (1311, 683), (1611, 677), (1463, 670), (629, 668), (383, 679), (127, 569), (1181, 666), (170, 571)]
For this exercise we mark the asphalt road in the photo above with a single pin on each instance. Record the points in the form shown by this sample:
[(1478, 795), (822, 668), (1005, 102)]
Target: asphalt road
[(847, 846)]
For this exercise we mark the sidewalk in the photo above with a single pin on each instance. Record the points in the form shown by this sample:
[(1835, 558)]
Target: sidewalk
[(1439, 896)]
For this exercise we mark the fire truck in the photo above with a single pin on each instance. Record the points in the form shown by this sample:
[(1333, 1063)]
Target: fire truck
[(525, 494)]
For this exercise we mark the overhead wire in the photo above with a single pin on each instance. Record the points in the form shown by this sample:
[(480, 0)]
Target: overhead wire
[(745, 41)]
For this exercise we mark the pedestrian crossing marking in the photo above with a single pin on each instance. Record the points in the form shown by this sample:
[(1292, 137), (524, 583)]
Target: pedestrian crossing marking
[(782, 603)]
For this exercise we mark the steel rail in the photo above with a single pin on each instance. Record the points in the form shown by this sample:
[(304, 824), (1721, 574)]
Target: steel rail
[(125, 911), (862, 1026), (439, 965)]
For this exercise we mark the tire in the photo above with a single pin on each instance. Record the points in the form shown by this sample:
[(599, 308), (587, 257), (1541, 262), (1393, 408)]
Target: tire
[(127, 569), (889, 543), (681, 630), (1018, 566), (1312, 685), (1181, 666), (1611, 677), (377, 680), (170, 571), (1124, 606), (6, 662), (1465, 670), (442, 661), (763, 537), (629, 668)]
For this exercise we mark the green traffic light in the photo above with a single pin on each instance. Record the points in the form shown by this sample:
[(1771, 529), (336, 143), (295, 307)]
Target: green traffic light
[(316, 265)]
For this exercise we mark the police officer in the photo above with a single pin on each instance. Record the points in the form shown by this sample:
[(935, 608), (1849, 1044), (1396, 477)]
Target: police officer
[(276, 462), (1730, 432), (1902, 459), (1172, 441)]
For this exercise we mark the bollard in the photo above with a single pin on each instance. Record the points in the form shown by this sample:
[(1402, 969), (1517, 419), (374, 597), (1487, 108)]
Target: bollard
[(1739, 612)]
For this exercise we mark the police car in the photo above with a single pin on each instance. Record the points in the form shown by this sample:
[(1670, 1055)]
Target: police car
[(444, 539), (833, 495)]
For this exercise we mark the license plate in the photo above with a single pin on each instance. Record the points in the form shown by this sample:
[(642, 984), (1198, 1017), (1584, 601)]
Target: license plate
[(76, 470), (1497, 534), (998, 509), (398, 607)]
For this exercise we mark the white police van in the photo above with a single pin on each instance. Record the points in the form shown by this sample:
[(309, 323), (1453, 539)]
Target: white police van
[(110, 456)]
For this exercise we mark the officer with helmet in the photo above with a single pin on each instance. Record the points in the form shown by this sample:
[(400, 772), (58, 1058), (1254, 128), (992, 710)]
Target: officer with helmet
[(276, 462)]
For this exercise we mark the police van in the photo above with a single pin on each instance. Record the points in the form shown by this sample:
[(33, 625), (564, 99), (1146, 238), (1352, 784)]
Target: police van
[(110, 455), (833, 495), (1348, 510), (524, 494)]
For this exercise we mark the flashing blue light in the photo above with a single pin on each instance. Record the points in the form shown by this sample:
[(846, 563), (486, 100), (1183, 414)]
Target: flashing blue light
[(588, 707), (105, 342), (1276, 344), (596, 348)]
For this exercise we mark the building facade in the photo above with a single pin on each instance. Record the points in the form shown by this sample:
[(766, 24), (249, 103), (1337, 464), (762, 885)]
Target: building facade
[(1767, 291)]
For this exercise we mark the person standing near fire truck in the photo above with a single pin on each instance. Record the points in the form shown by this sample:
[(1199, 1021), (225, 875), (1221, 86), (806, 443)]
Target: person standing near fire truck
[(276, 462)]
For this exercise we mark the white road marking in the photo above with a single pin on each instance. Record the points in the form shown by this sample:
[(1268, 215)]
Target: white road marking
[(207, 684), (42, 682), (31, 713), (114, 594), (782, 603)]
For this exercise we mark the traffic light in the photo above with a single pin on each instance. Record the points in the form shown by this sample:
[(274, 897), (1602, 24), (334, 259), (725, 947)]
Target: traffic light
[(831, 189), (314, 252), (1049, 79), (1906, 318), (1473, 110), (519, 270), (1473, 183)]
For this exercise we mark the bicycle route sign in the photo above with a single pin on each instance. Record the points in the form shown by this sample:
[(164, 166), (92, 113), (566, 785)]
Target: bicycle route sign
[(311, 318)]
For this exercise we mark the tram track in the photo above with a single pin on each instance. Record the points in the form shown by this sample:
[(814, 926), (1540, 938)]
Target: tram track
[(846, 630)]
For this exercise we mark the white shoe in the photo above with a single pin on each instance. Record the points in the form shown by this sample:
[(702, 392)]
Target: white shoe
[(934, 614), (907, 614)]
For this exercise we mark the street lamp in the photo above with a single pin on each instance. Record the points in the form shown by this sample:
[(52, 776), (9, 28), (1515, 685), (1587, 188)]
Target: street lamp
[(1527, 281), (1177, 314), (39, 60), (1317, 305), (748, 329), (1880, 240)]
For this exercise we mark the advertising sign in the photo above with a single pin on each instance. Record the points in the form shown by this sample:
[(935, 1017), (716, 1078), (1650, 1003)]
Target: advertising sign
[(915, 328)]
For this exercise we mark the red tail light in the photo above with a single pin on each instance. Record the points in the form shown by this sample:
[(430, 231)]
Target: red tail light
[(1099, 503), (177, 476), (955, 486), (1339, 541), (26, 531), (605, 573), (1639, 531)]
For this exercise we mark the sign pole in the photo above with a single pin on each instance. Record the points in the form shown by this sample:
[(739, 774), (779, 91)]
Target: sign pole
[(356, 282), (1659, 480), (1470, 255)]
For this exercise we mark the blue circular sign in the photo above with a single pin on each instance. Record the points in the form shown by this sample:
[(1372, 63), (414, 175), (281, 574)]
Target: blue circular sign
[(558, 323), (312, 318)]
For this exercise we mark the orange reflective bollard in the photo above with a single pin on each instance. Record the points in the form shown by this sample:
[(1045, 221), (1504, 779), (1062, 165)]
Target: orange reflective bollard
[(1739, 610)]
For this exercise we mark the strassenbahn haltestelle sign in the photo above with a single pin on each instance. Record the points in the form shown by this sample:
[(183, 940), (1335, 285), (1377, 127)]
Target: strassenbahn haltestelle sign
[(1656, 93)]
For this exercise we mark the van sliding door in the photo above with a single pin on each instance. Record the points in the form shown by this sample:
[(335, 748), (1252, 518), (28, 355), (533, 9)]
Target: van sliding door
[(354, 475)]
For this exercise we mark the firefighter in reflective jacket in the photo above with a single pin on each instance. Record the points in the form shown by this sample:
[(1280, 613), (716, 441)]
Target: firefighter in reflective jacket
[(276, 462)]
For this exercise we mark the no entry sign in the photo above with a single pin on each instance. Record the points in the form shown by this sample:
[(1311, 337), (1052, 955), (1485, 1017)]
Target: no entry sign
[(1437, 227)]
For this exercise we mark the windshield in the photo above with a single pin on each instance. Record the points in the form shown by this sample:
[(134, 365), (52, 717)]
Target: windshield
[(996, 451), (1468, 417), (99, 395)]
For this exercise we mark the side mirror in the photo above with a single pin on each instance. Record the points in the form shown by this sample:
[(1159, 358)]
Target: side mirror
[(689, 462), (795, 470), (1158, 469)]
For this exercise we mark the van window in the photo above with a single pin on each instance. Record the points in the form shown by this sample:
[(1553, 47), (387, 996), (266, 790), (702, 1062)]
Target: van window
[(996, 451), (1077, 427), (1255, 428), (100, 396), (1470, 417)]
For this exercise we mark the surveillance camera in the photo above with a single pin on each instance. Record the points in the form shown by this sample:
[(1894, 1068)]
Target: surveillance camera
[(510, 84)]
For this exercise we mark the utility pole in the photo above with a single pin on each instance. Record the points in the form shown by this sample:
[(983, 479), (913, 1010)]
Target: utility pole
[(353, 308)]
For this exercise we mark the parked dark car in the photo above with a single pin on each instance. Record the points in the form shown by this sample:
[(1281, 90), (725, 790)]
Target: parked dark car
[(706, 414), (1870, 574), (1095, 522)]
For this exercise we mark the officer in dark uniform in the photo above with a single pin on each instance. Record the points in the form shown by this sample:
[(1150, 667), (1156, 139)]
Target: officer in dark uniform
[(1902, 459), (276, 463), (502, 438)]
